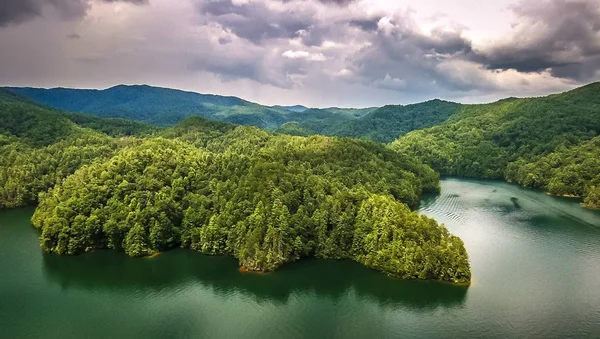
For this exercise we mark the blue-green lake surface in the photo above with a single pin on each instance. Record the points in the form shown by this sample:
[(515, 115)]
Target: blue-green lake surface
[(535, 261)]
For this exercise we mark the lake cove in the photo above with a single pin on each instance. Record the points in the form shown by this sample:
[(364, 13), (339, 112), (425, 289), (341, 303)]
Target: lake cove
[(535, 261)]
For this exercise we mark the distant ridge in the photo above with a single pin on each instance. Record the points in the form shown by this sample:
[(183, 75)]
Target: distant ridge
[(165, 106), (295, 108)]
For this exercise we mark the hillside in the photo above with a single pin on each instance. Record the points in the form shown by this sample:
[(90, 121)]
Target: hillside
[(382, 124), (541, 142), (295, 108), (40, 147), (155, 105), (165, 107), (387, 123), (319, 121), (266, 199)]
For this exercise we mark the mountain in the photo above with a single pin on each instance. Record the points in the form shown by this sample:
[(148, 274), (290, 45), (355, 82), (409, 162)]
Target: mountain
[(295, 108), (319, 120), (353, 112), (547, 142), (39, 147), (381, 124), (387, 123), (165, 107), (266, 199), (155, 105)]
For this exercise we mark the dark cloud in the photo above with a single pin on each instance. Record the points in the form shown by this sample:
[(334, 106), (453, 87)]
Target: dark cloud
[(396, 56), (224, 41), (228, 69), (136, 2), (365, 24), (17, 11), (563, 36), (337, 2), (233, 67), (316, 34), (326, 2), (402, 57), (255, 22), (258, 23), (441, 42), (329, 45)]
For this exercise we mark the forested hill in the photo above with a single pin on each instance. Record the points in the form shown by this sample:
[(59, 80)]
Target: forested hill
[(383, 124), (39, 146), (548, 142), (263, 198), (155, 105), (165, 107), (391, 121)]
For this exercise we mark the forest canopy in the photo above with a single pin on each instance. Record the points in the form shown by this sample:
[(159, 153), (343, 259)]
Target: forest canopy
[(547, 142), (264, 198)]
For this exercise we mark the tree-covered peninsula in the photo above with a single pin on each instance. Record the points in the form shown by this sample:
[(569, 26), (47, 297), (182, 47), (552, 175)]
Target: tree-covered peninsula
[(264, 198)]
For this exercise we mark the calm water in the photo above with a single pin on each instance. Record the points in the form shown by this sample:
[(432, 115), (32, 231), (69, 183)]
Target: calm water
[(535, 262)]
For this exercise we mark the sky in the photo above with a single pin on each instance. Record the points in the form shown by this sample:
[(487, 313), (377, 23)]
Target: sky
[(318, 53)]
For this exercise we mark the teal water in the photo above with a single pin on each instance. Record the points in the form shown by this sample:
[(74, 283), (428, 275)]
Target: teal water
[(535, 262)]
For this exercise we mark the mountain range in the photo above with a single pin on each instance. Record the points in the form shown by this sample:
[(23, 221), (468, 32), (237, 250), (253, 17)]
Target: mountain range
[(545, 142), (166, 107)]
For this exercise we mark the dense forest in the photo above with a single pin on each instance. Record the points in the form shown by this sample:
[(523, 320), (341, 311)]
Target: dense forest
[(155, 105), (567, 171), (217, 188), (40, 147), (271, 198), (547, 142), (383, 124), (167, 107), (389, 122), (313, 121)]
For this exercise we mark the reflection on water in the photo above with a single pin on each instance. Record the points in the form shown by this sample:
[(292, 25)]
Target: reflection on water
[(535, 261), (326, 279)]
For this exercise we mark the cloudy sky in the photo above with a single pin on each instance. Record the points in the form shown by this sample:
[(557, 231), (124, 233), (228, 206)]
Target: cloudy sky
[(313, 52)]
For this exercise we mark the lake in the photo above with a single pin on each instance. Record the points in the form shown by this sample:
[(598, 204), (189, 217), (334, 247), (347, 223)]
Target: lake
[(535, 261)]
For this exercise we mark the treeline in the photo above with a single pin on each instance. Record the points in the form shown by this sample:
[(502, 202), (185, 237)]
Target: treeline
[(167, 107), (542, 142), (281, 199), (41, 147), (263, 198), (383, 124), (391, 121), (25, 170), (568, 171)]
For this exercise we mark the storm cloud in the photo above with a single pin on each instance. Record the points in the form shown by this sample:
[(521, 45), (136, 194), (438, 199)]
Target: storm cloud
[(255, 21), (18, 11), (562, 36), (358, 52)]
